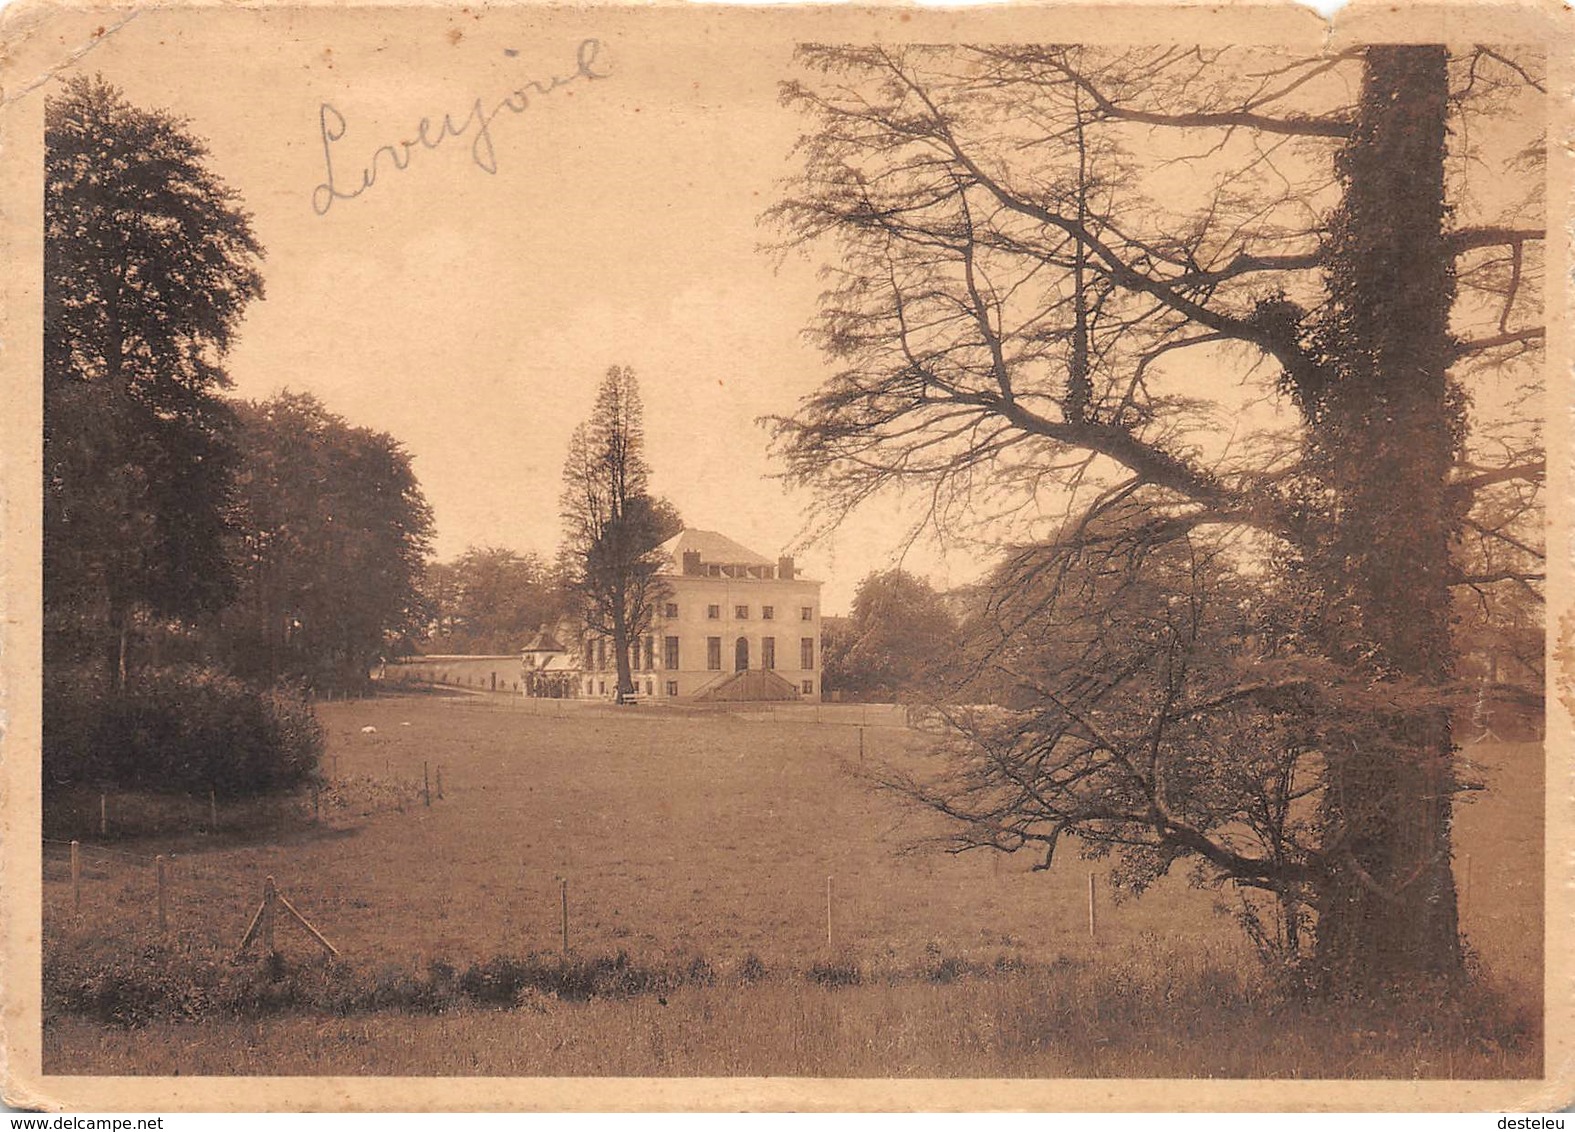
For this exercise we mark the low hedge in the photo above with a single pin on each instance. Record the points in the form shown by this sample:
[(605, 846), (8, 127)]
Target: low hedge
[(179, 730)]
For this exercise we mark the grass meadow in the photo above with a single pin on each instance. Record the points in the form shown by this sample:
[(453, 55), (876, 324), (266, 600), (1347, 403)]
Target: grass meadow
[(697, 847)]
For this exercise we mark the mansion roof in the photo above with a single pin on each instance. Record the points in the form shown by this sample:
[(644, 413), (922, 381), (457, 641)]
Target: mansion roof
[(693, 552)]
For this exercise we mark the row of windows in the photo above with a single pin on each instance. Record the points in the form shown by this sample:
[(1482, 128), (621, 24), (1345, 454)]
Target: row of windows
[(646, 650), (740, 612), (599, 687), (768, 653), (597, 654)]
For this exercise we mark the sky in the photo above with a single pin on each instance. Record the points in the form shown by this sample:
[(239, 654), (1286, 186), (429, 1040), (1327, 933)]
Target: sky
[(471, 313), (469, 302)]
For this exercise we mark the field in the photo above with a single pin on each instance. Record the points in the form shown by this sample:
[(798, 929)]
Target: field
[(700, 847)]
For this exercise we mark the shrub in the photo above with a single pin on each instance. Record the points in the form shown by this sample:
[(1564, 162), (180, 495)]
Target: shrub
[(836, 973), (180, 729), (171, 980)]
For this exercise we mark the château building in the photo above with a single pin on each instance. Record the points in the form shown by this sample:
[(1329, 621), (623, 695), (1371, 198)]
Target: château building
[(732, 625)]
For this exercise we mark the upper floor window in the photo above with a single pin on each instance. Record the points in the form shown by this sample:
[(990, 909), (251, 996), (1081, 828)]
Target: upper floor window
[(670, 610), (806, 654), (741, 612), (768, 612), (714, 612), (713, 654), (806, 613), (670, 652), (768, 652)]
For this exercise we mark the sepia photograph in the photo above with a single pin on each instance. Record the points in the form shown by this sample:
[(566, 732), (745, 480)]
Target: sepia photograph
[(612, 544)]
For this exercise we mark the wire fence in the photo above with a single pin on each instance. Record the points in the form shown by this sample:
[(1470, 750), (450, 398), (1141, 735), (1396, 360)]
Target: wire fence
[(105, 892), (187, 858), (843, 714), (115, 814)]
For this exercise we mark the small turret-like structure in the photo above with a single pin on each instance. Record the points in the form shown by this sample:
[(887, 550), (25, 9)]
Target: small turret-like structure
[(541, 648)]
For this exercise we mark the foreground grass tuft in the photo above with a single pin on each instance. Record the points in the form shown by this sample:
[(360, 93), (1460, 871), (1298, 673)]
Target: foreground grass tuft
[(172, 981), (947, 1016)]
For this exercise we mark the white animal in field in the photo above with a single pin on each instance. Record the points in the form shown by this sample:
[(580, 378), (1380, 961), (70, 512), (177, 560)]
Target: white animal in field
[(369, 730)]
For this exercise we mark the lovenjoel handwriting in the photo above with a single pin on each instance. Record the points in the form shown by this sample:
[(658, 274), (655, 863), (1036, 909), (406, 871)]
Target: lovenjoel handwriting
[(477, 124)]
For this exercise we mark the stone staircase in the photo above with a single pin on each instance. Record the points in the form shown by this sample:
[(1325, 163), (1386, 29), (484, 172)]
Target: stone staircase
[(754, 686)]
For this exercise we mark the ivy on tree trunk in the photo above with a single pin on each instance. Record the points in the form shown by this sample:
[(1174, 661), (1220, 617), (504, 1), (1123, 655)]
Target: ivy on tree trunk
[(1386, 426)]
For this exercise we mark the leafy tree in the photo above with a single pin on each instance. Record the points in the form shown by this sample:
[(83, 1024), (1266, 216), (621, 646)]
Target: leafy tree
[(491, 600), (149, 261), (613, 527), (1025, 292), (836, 643), (900, 640), (333, 535)]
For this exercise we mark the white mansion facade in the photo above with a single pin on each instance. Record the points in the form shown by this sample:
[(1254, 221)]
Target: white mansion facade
[(733, 625)]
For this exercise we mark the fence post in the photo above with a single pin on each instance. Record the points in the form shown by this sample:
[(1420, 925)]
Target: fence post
[(440, 782), (563, 895), (828, 910), (158, 868), (1093, 916), (426, 782), (213, 811), (76, 874), (317, 805), (861, 744), (103, 814), (270, 892)]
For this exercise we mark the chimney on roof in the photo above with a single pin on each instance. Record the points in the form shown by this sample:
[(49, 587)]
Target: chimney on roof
[(785, 568), (692, 562)]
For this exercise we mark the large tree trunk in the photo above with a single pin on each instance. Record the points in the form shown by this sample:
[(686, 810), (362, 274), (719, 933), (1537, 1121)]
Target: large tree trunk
[(1385, 433), (620, 643)]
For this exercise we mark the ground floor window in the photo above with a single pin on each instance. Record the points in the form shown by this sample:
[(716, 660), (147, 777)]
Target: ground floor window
[(809, 687), (713, 654), (806, 654), (768, 653), (670, 653), (672, 687)]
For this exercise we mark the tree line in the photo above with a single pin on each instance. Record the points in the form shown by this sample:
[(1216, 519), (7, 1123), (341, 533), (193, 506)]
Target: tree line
[(208, 562), (272, 539), (271, 543)]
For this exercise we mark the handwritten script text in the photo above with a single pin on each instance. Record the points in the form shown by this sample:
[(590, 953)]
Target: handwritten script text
[(477, 124)]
